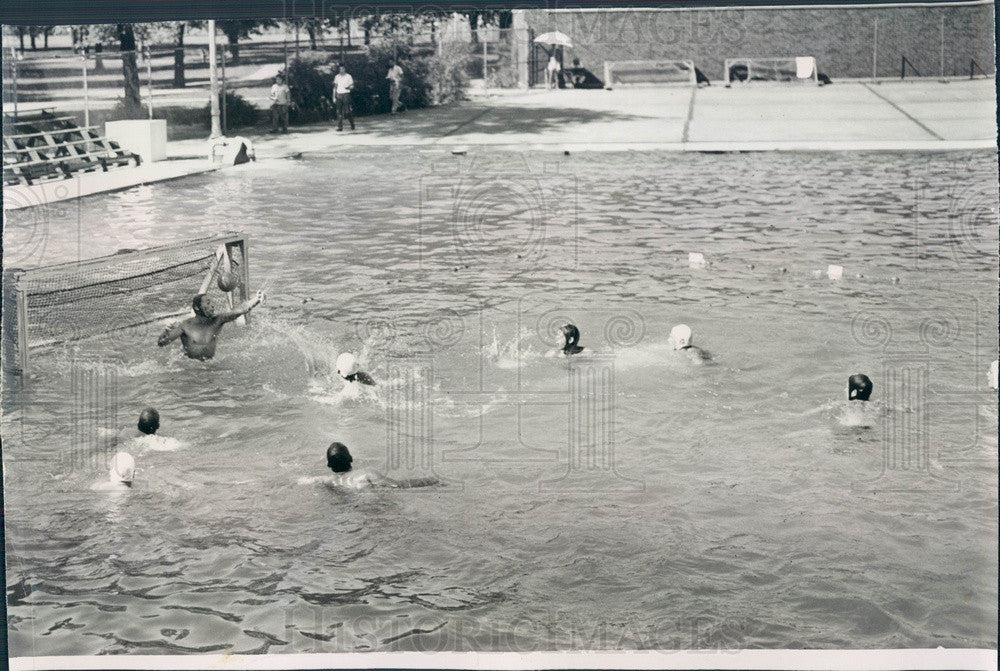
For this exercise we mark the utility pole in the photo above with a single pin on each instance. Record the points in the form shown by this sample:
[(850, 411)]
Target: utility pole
[(216, 125)]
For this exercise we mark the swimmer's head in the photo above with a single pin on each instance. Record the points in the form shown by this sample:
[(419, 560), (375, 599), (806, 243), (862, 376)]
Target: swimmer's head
[(121, 469), (202, 306), (859, 387), (680, 336), (347, 365), (149, 421), (571, 336), (338, 458)]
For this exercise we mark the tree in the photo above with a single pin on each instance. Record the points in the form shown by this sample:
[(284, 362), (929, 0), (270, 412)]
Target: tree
[(179, 81), (130, 67), (237, 30), (488, 17), (315, 27)]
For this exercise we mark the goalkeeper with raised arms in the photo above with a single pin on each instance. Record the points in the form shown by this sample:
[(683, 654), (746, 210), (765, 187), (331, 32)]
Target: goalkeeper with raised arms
[(199, 333)]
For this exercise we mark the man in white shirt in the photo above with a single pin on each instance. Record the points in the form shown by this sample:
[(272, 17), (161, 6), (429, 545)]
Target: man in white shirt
[(281, 97), (343, 84), (552, 71), (395, 78)]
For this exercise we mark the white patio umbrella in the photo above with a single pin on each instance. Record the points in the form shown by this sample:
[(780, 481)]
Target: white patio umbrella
[(555, 38)]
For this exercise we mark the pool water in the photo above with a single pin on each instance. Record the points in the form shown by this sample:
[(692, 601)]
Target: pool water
[(625, 498)]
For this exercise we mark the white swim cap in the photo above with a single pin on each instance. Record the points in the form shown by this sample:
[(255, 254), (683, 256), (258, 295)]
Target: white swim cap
[(993, 374), (347, 365), (122, 468), (681, 336)]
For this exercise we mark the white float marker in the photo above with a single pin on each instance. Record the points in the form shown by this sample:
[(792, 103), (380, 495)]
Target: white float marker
[(834, 272), (696, 260)]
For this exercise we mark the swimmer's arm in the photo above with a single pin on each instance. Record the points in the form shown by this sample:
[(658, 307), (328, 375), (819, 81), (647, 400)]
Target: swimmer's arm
[(170, 334), (365, 378), (245, 308)]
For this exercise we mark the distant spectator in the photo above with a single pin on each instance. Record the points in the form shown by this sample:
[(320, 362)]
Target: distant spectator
[(98, 50), (395, 78), (343, 84), (577, 77), (280, 99), (552, 71)]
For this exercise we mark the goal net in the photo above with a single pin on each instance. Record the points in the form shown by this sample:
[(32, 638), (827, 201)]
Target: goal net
[(795, 69), (648, 73), (102, 297)]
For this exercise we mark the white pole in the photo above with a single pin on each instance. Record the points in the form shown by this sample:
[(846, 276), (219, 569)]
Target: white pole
[(86, 94), (485, 75), (13, 57), (875, 53), (149, 80), (942, 46), (216, 126)]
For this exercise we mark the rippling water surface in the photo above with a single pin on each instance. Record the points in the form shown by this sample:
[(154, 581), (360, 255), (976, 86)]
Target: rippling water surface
[(627, 499)]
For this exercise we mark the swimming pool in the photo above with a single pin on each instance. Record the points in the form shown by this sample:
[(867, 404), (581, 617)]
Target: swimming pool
[(622, 500)]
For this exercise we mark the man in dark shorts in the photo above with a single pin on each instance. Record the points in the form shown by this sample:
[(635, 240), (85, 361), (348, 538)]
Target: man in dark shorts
[(343, 84)]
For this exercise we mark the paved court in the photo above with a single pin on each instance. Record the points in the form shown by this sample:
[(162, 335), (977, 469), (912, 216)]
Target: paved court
[(898, 116)]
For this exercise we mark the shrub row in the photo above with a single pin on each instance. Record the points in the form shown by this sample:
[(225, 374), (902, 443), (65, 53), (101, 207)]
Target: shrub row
[(429, 79)]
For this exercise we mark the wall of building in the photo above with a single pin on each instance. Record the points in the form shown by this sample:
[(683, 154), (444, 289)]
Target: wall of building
[(843, 39)]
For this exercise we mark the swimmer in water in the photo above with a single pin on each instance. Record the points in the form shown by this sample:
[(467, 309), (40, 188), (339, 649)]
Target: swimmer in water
[(680, 338), (861, 415), (347, 368), (859, 387), (340, 461), (149, 421), (571, 336), (199, 333)]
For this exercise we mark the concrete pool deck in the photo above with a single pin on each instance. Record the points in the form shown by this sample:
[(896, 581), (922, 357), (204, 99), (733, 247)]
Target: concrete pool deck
[(848, 116)]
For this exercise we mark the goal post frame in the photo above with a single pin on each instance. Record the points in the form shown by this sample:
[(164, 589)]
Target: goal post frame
[(225, 245), (688, 65), (748, 61)]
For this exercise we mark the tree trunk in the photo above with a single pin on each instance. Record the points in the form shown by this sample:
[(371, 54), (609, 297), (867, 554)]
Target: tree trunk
[(130, 67), (368, 37), (73, 38), (233, 36), (311, 29), (20, 36), (179, 82), (474, 25), (32, 34), (45, 36)]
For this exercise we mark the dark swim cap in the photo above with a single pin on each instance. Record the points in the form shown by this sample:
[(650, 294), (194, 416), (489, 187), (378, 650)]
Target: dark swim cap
[(196, 304), (571, 333), (859, 387), (149, 421), (338, 458)]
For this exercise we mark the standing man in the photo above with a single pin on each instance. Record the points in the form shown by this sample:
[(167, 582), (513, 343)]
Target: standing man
[(552, 71), (395, 78), (343, 84), (281, 97)]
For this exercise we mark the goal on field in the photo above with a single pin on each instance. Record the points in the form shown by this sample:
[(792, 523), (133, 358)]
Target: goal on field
[(794, 69), (648, 73), (105, 296)]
